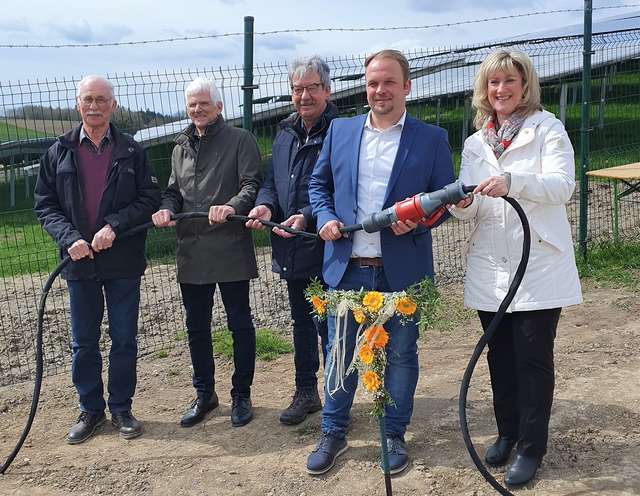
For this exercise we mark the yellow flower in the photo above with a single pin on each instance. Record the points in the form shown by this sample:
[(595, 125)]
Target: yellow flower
[(319, 305), (373, 301), (365, 354), (406, 306), (358, 315), (376, 337), (371, 381)]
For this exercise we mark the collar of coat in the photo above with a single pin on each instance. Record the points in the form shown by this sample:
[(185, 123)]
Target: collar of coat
[(293, 122), (475, 145), (187, 135), (123, 144)]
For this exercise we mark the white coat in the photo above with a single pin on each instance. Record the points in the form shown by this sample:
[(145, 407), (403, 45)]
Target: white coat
[(540, 160)]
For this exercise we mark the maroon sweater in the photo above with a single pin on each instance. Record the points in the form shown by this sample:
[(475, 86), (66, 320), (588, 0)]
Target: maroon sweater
[(93, 168)]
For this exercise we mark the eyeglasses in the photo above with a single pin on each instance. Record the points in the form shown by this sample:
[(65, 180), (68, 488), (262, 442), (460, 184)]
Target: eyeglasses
[(100, 101), (311, 89)]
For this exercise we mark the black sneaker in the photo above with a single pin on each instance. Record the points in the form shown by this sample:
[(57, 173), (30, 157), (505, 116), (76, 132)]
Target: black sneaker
[(303, 403), (127, 424), (398, 457), (241, 411), (322, 459), (84, 427)]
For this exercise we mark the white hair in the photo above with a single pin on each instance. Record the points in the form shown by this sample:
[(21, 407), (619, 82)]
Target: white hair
[(203, 85), (90, 79)]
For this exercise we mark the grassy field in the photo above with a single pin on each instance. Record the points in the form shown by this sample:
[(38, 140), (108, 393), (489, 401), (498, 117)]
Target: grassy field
[(11, 132)]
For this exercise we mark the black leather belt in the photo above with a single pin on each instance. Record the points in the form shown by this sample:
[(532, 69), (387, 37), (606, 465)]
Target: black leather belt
[(366, 261)]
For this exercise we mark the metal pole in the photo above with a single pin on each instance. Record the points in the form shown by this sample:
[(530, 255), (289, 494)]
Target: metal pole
[(584, 127), (385, 456), (248, 87)]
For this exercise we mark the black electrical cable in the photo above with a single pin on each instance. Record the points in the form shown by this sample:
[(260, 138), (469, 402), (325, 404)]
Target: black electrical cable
[(484, 339), (45, 293)]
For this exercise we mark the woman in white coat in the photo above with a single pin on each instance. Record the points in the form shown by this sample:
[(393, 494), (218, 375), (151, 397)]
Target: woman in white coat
[(524, 152)]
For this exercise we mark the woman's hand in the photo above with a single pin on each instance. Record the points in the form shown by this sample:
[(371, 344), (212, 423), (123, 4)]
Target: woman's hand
[(494, 186)]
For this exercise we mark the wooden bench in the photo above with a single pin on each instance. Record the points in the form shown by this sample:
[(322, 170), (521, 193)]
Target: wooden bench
[(629, 175)]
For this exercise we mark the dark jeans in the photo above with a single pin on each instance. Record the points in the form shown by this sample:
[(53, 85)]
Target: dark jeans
[(87, 300), (306, 329), (521, 366), (198, 303), (401, 376)]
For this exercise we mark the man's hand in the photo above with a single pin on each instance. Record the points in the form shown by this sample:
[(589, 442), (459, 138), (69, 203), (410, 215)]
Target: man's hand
[(79, 250), (465, 202), (219, 213), (495, 186), (162, 218), (399, 227), (331, 230), (103, 239), (258, 212), (296, 222)]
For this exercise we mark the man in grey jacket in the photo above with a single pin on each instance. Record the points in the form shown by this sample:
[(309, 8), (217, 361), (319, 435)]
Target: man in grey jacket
[(214, 167)]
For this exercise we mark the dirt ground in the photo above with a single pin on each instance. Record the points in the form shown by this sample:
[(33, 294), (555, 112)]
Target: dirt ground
[(594, 446)]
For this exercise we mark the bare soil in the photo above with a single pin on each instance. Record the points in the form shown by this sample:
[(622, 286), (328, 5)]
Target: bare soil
[(594, 446)]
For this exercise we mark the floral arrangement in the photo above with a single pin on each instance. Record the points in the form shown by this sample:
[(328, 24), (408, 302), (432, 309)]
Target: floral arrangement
[(370, 310)]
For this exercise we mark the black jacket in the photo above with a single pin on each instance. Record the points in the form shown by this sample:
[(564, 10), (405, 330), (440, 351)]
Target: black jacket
[(130, 197), (286, 192)]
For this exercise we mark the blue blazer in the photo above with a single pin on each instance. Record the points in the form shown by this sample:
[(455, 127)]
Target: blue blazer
[(423, 164)]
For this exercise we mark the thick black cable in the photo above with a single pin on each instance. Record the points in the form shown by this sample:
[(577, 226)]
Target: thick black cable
[(37, 386), (484, 339)]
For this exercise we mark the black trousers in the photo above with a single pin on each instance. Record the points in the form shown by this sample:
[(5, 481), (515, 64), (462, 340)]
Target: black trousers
[(521, 366), (306, 330), (198, 304)]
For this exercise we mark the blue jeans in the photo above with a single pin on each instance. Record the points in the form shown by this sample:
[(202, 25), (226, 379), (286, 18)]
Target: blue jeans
[(198, 304), (306, 329), (401, 376), (87, 298)]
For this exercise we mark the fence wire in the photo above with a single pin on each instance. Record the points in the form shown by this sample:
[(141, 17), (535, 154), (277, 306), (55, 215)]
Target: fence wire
[(151, 107)]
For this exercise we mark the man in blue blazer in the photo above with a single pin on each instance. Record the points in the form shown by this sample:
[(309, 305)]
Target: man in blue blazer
[(368, 163)]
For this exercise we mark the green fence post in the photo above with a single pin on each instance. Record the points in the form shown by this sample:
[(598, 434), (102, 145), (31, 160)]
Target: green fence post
[(584, 127), (248, 86)]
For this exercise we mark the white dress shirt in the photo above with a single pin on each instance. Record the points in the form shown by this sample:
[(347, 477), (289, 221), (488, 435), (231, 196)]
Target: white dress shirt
[(378, 150)]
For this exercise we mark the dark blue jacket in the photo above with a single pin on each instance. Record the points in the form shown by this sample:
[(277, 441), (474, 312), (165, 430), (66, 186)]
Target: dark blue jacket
[(286, 192), (130, 197)]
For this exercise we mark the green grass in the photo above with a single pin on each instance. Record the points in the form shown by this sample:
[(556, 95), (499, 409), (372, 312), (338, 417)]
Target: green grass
[(9, 132), (614, 264), (269, 344)]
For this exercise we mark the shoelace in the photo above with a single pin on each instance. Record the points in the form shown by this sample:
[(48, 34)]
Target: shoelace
[(393, 445)]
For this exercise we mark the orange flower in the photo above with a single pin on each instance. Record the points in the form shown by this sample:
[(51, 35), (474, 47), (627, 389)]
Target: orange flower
[(371, 381), (373, 301), (319, 305), (406, 306), (358, 315), (376, 337), (365, 354)]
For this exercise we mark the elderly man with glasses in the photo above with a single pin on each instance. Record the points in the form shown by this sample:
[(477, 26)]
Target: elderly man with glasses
[(93, 184), (284, 197)]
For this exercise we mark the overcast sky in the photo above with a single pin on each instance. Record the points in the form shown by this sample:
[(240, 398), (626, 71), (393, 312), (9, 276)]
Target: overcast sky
[(76, 21)]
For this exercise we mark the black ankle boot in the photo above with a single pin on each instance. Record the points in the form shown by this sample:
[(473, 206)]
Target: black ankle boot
[(522, 470), (498, 453)]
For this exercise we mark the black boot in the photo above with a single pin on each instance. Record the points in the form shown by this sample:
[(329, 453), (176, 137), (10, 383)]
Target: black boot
[(303, 403), (84, 427), (241, 412), (127, 424), (498, 453), (522, 470)]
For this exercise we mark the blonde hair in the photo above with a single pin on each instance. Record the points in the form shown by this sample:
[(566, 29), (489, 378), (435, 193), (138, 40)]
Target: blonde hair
[(507, 61)]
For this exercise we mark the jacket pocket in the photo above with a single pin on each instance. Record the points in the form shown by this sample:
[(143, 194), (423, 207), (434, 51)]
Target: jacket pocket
[(547, 236)]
